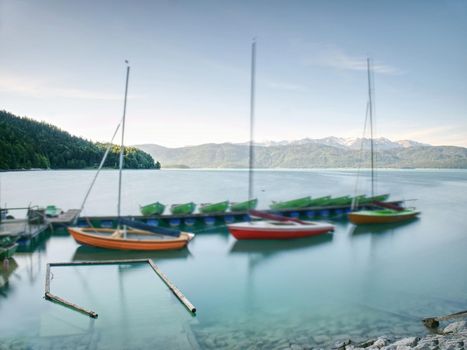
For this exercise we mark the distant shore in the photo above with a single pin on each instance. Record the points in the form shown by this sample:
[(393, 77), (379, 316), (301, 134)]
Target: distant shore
[(243, 169)]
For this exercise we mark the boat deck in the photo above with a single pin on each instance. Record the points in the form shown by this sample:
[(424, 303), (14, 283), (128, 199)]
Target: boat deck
[(130, 235)]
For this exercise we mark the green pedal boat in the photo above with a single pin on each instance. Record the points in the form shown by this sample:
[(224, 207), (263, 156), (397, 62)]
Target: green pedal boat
[(244, 206), (7, 239), (292, 204), (152, 209), (7, 252), (52, 211), (320, 201), (183, 208), (380, 198), (344, 200), (209, 208), (362, 199)]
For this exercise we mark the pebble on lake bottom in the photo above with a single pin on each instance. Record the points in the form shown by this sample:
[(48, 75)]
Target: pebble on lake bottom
[(453, 336), (287, 337)]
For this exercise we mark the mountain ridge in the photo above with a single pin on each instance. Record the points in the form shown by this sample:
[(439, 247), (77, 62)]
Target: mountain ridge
[(345, 142), (312, 154)]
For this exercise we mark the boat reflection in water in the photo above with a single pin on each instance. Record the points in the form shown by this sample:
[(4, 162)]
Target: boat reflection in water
[(6, 270), (257, 254), (86, 253), (270, 247), (259, 251), (381, 228)]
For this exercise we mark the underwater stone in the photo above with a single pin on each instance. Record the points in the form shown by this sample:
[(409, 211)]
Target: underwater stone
[(380, 342), (321, 338), (455, 327), (341, 344), (366, 343), (411, 341)]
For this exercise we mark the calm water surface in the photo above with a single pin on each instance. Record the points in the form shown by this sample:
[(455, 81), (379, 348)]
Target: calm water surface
[(355, 283)]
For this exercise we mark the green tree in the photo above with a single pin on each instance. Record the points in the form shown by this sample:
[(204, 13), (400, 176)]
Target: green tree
[(26, 143)]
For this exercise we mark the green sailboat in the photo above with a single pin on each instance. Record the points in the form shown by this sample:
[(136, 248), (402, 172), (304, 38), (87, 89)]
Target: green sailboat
[(183, 208), (292, 204), (210, 208), (244, 206), (389, 213), (152, 209)]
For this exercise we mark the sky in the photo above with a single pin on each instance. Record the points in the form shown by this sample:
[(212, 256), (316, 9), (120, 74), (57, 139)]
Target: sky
[(63, 62)]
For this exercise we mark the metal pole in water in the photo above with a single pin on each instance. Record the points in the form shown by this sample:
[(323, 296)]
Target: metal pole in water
[(123, 136), (371, 128), (252, 115)]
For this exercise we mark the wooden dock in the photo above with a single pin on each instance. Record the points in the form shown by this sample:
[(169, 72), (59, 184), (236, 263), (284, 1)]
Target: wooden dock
[(67, 218), (22, 229)]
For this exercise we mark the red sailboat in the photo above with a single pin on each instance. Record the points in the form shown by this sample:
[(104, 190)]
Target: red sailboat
[(273, 226), (277, 227)]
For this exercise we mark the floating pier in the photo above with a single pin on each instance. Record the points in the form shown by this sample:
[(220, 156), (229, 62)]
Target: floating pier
[(22, 228), (200, 220)]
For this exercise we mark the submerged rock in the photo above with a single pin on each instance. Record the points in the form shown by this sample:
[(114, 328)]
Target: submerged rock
[(411, 341), (366, 343), (453, 337), (320, 339), (456, 327), (341, 344), (381, 341)]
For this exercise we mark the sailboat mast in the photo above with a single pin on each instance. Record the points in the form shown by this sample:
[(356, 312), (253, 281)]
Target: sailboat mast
[(252, 115), (370, 101), (123, 139)]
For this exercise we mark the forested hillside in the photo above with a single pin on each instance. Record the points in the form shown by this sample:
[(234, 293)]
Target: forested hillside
[(26, 144)]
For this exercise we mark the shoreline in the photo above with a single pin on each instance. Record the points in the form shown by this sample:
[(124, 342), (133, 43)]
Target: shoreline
[(241, 169), (453, 336)]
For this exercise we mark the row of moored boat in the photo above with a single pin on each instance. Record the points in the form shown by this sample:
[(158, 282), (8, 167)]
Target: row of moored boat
[(158, 208)]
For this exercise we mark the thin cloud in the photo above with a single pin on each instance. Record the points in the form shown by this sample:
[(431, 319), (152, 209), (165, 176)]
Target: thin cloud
[(44, 89), (428, 132), (334, 57), (442, 135), (286, 86)]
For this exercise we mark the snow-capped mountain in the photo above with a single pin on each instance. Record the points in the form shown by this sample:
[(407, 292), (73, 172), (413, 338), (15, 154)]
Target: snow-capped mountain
[(380, 143)]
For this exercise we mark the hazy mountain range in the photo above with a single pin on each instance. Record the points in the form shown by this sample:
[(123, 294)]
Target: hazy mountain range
[(329, 152), (381, 143)]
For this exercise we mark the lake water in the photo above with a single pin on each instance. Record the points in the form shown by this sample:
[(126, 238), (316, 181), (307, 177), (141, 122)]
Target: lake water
[(354, 283)]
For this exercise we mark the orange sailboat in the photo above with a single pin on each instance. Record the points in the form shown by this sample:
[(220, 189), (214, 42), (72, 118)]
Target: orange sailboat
[(129, 239), (129, 234)]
